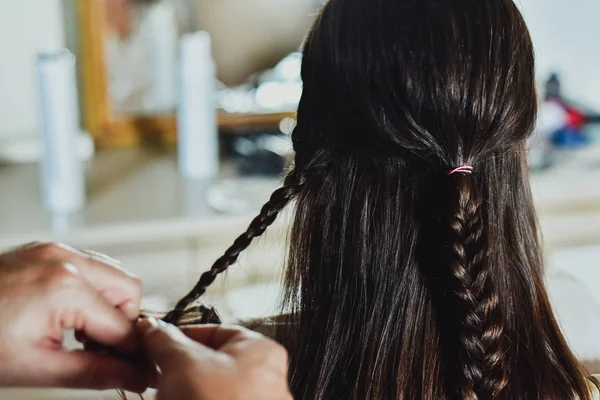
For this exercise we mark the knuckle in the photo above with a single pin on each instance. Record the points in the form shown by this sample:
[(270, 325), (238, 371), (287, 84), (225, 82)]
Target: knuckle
[(63, 275), (49, 250)]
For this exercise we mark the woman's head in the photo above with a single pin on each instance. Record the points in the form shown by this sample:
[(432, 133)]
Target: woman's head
[(442, 82), (405, 281)]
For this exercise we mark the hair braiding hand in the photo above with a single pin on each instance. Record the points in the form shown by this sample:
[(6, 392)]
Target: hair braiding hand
[(48, 288), (212, 362)]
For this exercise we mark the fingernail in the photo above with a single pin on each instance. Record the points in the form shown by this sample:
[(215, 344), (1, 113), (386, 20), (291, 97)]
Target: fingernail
[(153, 322)]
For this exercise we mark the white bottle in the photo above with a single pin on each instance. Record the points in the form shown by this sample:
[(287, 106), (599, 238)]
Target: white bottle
[(163, 38), (198, 141), (62, 174)]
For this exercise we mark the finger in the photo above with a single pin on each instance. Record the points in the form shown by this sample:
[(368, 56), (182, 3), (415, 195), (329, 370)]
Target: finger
[(240, 342), (117, 286), (84, 370), (167, 346), (95, 319), (216, 336)]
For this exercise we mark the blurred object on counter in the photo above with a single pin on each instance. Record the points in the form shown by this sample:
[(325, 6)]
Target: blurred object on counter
[(130, 58), (272, 91), (262, 154), (571, 134), (553, 87), (198, 144), (62, 174), (562, 125), (141, 53), (551, 117)]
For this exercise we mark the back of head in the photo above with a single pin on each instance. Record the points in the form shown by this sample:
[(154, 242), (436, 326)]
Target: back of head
[(406, 281)]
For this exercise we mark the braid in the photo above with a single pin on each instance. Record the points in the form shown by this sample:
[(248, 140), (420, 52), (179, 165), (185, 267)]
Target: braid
[(480, 323), (279, 199)]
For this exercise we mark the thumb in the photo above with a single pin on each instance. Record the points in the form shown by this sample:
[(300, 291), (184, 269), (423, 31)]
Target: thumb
[(167, 346)]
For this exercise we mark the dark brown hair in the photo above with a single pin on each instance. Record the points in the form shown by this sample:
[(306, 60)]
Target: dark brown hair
[(405, 281)]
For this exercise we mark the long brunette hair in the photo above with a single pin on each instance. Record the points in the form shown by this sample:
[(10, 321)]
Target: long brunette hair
[(406, 281)]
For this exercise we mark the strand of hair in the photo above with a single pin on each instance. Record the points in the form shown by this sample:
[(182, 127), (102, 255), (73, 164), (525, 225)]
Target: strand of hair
[(277, 202)]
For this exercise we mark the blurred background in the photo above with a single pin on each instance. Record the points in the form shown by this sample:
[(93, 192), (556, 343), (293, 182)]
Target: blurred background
[(154, 130)]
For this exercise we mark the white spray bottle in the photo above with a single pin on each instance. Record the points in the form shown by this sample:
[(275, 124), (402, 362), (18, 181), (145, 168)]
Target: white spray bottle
[(63, 180), (198, 142)]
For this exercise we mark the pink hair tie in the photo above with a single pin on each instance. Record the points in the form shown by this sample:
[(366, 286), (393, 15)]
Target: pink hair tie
[(466, 169)]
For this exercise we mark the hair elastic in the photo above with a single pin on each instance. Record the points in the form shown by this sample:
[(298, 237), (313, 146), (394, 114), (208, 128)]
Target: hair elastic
[(466, 169)]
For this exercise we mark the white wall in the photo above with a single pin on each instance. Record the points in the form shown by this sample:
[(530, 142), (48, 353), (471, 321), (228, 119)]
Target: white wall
[(25, 27), (566, 34)]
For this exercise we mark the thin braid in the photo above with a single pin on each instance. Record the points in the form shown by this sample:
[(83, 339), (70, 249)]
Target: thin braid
[(480, 320), (279, 199)]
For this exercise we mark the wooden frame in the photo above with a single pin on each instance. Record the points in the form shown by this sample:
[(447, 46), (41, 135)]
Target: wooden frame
[(110, 130)]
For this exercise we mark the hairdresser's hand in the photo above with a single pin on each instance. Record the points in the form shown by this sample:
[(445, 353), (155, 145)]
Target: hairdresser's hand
[(47, 288), (215, 363)]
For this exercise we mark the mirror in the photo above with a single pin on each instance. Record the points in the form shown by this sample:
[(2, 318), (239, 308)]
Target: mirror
[(141, 43), (130, 58)]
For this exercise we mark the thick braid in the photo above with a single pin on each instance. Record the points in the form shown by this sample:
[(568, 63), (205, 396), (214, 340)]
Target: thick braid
[(480, 326), (279, 199), (495, 374), (493, 366), (469, 323)]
